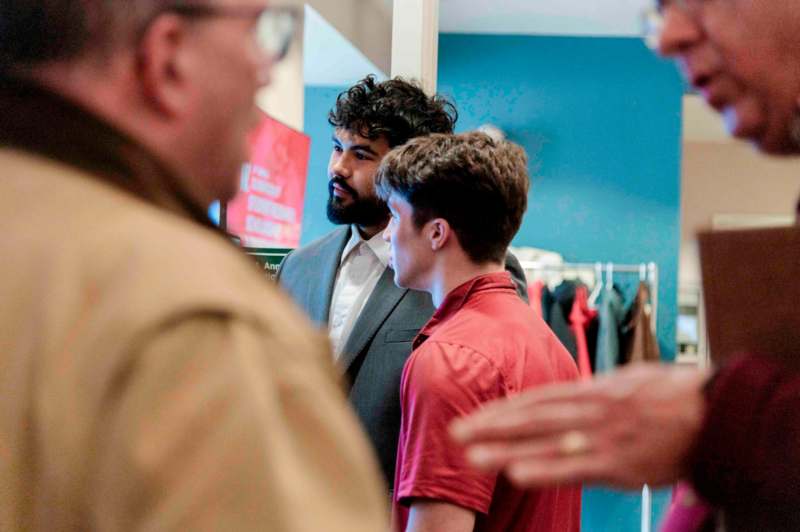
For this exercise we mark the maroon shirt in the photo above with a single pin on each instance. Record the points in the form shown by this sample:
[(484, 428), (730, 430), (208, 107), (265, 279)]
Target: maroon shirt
[(746, 460), (483, 343)]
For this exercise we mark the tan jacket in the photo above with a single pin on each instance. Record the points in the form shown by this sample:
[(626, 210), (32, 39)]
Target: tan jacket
[(150, 379)]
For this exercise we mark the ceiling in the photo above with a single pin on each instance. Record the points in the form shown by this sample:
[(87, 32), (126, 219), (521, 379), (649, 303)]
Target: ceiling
[(329, 59), (598, 18), (366, 26), (543, 17), (601, 18)]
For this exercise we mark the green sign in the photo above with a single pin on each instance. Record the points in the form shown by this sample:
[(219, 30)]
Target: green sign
[(269, 258)]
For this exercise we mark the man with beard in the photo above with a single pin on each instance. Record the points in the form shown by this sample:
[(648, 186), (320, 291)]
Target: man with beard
[(343, 280)]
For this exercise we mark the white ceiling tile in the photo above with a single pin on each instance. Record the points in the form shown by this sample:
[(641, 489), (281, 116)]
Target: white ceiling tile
[(543, 17)]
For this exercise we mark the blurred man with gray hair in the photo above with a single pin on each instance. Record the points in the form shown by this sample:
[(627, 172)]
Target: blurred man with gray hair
[(150, 379)]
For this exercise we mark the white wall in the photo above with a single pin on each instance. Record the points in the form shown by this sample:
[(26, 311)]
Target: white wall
[(730, 178), (330, 59), (361, 31), (365, 23)]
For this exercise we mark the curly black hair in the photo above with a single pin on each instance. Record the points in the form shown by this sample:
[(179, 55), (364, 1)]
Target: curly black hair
[(397, 109)]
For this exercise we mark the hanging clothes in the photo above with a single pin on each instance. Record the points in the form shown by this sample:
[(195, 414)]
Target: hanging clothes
[(611, 316), (592, 328), (547, 303), (573, 322), (639, 341), (535, 292), (580, 317), (560, 307)]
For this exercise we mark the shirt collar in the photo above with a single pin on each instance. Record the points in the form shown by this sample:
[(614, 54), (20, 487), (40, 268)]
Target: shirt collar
[(377, 244), (459, 296)]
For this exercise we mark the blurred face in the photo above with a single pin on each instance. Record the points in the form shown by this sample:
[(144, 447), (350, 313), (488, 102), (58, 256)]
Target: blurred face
[(411, 252), (743, 56), (229, 67), (351, 180)]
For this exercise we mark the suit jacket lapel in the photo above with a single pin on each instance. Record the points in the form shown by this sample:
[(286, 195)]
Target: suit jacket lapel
[(321, 292), (380, 304)]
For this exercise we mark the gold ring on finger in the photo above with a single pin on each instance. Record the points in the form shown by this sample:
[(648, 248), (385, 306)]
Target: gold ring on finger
[(573, 442)]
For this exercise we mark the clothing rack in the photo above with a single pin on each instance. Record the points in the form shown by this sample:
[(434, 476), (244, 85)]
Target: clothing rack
[(604, 273)]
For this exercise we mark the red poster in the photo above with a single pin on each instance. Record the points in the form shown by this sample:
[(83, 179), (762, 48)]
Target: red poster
[(268, 211)]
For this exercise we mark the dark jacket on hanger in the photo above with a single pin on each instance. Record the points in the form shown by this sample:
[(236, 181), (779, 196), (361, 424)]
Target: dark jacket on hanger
[(560, 305), (612, 314)]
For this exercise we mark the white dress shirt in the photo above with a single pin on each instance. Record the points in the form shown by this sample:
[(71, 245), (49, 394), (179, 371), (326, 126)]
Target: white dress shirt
[(360, 267)]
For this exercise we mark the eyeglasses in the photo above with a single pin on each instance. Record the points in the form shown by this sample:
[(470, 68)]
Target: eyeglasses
[(273, 31), (653, 18)]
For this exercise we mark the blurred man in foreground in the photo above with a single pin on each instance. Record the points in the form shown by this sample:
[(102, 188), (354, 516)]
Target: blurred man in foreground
[(149, 377)]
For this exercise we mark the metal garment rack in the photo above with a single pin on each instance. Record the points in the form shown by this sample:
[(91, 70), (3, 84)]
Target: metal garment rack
[(604, 273)]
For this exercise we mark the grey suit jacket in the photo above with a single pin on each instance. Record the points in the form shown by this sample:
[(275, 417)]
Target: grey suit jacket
[(380, 343)]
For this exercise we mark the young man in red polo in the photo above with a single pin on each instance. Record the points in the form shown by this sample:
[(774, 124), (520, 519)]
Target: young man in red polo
[(456, 201)]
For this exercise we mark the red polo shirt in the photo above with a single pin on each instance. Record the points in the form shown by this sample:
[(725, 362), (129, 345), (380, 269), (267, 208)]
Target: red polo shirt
[(482, 343)]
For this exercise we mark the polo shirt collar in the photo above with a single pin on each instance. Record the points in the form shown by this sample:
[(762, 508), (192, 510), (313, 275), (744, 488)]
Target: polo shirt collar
[(458, 297)]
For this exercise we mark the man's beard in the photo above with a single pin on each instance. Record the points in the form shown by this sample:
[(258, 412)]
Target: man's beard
[(362, 211)]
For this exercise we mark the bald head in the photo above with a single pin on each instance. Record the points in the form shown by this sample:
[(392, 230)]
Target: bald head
[(178, 79), (34, 32)]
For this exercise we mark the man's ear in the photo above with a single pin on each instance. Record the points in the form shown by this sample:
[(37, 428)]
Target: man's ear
[(439, 233), (163, 65)]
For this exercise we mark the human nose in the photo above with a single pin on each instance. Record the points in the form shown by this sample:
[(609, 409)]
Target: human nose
[(680, 30), (340, 165)]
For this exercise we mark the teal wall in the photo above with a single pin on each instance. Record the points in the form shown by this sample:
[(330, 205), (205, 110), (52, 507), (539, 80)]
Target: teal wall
[(318, 101), (601, 120)]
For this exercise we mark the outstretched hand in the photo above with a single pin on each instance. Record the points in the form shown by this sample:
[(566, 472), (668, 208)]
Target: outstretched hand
[(624, 429)]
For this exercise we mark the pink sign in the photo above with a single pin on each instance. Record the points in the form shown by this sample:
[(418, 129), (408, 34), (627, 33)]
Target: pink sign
[(268, 210)]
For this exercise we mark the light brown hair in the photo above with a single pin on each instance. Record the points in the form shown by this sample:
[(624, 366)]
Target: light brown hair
[(479, 185)]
